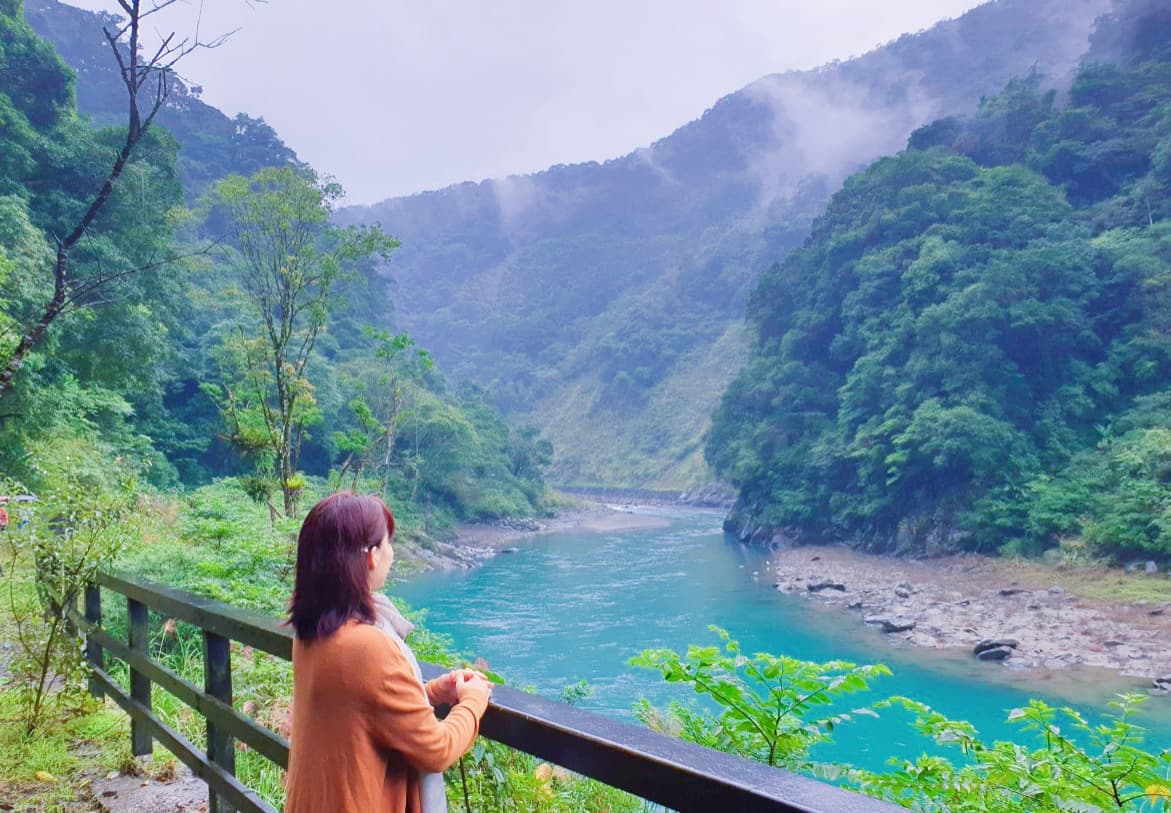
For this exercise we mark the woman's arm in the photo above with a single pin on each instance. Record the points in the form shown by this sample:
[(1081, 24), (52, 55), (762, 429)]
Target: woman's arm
[(402, 717), (436, 688)]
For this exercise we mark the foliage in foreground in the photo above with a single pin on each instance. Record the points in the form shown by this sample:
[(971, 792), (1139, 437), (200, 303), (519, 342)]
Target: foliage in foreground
[(773, 709), (1093, 768), (83, 518)]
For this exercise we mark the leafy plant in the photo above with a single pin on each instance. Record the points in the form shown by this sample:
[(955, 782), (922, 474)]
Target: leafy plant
[(771, 708), (82, 519), (1094, 768)]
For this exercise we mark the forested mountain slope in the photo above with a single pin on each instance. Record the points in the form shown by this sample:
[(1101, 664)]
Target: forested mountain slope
[(973, 346), (604, 302), (211, 145), (133, 343)]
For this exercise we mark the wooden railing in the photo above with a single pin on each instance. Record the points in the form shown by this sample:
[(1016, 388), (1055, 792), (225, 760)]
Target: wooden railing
[(679, 775)]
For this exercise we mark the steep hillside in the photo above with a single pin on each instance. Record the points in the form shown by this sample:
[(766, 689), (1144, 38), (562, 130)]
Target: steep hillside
[(973, 348), (604, 301)]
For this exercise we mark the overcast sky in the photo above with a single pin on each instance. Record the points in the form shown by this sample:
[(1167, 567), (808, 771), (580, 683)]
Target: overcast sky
[(398, 96)]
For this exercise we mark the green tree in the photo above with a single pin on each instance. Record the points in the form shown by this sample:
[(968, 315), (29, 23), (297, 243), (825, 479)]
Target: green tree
[(82, 518), (289, 258), (383, 394)]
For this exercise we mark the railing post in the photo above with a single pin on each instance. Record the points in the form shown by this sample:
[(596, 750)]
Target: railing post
[(94, 654), (141, 743), (217, 682)]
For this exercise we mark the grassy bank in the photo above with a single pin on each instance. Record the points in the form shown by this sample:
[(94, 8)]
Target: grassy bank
[(49, 768)]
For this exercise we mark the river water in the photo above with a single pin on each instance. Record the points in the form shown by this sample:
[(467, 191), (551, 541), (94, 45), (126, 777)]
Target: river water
[(576, 605)]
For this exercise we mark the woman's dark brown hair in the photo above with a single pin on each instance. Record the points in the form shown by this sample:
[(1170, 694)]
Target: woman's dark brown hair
[(331, 583)]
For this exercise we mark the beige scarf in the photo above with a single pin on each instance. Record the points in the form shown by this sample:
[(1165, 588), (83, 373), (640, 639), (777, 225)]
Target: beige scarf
[(392, 622)]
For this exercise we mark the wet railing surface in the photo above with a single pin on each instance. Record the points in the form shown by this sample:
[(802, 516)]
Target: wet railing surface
[(676, 774)]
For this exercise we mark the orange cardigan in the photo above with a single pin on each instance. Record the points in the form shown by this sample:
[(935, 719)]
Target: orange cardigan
[(363, 727)]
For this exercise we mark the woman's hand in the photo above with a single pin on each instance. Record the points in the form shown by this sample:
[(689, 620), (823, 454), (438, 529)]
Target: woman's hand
[(469, 680), (449, 687)]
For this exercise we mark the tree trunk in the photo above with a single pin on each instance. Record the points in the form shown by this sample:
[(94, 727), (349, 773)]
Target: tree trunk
[(34, 336)]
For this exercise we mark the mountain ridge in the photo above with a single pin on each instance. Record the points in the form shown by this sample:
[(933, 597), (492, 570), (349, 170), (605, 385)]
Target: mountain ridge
[(561, 291), (604, 302)]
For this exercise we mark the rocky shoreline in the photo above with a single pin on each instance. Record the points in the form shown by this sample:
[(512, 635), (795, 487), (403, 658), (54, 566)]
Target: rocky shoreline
[(992, 609)]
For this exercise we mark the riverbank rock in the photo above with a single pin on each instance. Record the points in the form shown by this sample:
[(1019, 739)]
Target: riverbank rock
[(993, 643), (888, 624), (956, 602), (995, 649), (817, 586)]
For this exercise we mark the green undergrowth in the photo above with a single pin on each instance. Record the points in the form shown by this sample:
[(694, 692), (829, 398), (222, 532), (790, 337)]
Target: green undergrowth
[(1087, 579), (50, 769)]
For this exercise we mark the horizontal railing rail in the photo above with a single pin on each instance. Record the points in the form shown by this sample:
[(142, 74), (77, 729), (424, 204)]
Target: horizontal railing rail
[(679, 775)]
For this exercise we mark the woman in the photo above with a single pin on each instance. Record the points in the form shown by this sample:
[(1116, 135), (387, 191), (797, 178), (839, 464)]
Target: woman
[(365, 737)]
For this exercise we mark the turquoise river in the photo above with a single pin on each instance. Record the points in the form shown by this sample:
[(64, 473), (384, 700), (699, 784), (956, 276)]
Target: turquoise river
[(572, 606)]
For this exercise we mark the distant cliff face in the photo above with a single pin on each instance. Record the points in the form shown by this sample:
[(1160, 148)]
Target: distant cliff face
[(603, 302)]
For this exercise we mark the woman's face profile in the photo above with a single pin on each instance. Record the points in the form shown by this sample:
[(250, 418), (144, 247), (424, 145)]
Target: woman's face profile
[(381, 559)]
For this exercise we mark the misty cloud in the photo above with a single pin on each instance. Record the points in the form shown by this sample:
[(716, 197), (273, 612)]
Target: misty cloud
[(828, 128), (516, 198)]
